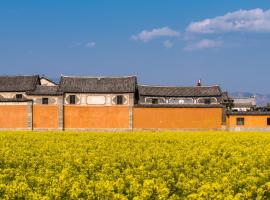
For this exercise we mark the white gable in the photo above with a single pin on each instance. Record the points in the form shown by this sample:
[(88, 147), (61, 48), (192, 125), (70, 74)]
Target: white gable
[(46, 82)]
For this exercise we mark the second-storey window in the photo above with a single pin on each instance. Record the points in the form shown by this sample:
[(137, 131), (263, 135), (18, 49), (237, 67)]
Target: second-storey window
[(119, 99), (72, 99), (19, 96), (154, 101), (45, 101), (207, 101)]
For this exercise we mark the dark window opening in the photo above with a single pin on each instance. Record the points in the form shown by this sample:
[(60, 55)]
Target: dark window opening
[(207, 101), (240, 121), (154, 101), (72, 99), (19, 96), (45, 101), (119, 100), (268, 121)]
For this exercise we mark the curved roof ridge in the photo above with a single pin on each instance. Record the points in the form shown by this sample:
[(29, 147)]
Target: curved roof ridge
[(164, 86), (46, 90), (20, 75), (98, 84), (187, 91), (18, 83), (128, 76)]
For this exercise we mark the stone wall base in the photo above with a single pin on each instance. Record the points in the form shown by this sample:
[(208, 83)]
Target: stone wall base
[(136, 129), (16, 129), (236, 129), (98, 130)]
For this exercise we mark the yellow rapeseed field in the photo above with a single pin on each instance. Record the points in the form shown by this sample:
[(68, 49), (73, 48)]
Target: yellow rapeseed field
[(134, 165)]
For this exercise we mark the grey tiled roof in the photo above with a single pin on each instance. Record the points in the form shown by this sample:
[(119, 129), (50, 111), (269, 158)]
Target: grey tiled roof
[(239, 113), (178, 106), (244, 100), (18, 83), (198, 91), (243, 105), (45, 90), (14, 100), (98, 84)]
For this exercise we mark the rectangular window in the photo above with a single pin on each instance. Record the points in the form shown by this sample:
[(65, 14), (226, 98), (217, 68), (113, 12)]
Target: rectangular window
[(19, 96), (45, 101), (119, 100), (72, 99), (268, 121), (207, 101), (240, 121), (154, 101)]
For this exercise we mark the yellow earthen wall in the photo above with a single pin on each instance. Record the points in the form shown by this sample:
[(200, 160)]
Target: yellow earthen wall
[(177, 118), (45, 116), (251, 121), (13, 116), (96, 117)]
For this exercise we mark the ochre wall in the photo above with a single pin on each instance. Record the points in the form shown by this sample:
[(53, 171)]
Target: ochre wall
[(177, 118), (96, 117), (45, 116), (251, 121), (13, 116)]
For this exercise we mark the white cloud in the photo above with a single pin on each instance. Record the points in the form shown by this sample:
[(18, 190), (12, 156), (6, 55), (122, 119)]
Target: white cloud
[(168, 44), (146, 36), (90, 45), (203, 44), (255, 20)]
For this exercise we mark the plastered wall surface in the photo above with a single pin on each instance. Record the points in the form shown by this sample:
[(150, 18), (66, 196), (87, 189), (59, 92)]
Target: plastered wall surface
[(96, 117), (13, 116), (45, 116), (177, 118), (251, 121)]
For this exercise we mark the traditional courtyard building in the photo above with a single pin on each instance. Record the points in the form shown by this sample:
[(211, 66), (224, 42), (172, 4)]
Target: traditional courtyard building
[(244, 103), (243, 115), (47, 106), (98, 102), (117, 103), (248, 120), (15, 87), (179, 95), (15, 107), (166, 107), (29, 102)]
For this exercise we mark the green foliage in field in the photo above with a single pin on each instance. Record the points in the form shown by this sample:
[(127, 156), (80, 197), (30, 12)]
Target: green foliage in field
[(207, 165)]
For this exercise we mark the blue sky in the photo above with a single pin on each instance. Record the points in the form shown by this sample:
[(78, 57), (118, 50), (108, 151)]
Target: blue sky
[(162, 42)]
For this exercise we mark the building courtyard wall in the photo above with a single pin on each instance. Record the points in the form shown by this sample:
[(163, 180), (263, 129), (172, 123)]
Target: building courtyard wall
[(29, 116), (252, 121), (15, 116), (45, 117), (117, 103), (177, 118), (96, 117)]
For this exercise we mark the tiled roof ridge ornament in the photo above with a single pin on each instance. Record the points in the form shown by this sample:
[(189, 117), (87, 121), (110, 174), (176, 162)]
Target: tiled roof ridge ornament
[(199, 83)]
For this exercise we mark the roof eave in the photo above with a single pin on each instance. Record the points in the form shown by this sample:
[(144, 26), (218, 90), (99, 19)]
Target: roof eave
[(151, 95)]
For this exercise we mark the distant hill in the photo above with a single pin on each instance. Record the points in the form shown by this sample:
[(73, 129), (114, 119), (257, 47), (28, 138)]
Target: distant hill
[(261, 99)]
